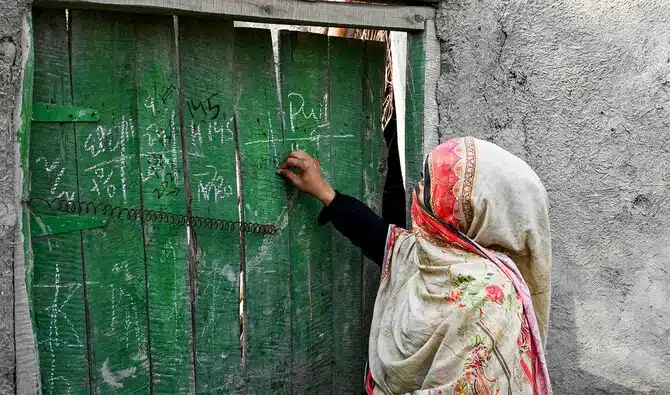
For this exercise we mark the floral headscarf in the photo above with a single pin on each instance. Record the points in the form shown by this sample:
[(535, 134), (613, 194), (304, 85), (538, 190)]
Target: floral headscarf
[(463, 302)]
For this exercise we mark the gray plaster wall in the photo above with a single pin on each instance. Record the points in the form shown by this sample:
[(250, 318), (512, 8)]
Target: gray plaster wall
[(581, 90), (12, 14)]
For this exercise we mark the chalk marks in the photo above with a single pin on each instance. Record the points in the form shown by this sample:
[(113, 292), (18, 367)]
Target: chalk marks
[(112, 140), (212, 186), (313, 137), (55, 172), (297, 111), (214, 132), (108, 139), (160, 167), (103, 179), (157, 169), (61, 331), (115, 379)]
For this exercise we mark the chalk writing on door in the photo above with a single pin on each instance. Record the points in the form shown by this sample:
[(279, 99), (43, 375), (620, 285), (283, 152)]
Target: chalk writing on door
[(109, 177), (212, 186), (55, 172), (160, 167)]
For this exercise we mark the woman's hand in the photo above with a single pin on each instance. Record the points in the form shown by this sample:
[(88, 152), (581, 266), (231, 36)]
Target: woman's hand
[(308, 178)]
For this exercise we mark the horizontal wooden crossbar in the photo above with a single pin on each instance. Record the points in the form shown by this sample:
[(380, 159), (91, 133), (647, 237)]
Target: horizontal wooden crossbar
[(314, 13)]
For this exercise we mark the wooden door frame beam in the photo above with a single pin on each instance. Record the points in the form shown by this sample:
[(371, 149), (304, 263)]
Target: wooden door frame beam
[(314, 13)]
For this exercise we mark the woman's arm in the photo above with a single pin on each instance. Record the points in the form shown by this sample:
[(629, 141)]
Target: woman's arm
[(351, 217), (358, 223)]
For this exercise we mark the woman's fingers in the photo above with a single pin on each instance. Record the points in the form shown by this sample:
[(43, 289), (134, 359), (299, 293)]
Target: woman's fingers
[(292, 162), (303, 157), (299, 154), (288, 174)]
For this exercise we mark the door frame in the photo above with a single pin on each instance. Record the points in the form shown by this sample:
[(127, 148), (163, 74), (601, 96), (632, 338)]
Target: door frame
[(421, 117)]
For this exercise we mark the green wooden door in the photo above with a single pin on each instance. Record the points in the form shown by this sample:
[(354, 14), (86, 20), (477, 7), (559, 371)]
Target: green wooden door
[(193, 122)]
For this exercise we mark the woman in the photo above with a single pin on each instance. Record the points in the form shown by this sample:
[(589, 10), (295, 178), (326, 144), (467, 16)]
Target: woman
[(463, 302)]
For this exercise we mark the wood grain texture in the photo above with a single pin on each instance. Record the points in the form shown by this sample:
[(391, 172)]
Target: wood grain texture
[(304, 67), (431, 48), (157, 102), (267, 266), (21, 376), (346, 122), (317, 13), (305, 290), (59, 314), (414, 124), (57, 288), (103, 72), (206, 53), (373, 169)]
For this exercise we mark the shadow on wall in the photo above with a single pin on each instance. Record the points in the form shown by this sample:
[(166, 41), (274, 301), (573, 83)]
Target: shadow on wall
[(563, 335)]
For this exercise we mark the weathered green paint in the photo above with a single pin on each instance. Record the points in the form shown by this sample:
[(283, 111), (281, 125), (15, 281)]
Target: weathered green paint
[(373, 167), (59, 299), (304, 65), (416, 60), (207, 59), (347, 128), (130, 327), (267, 262), (166, 247), (104, 68), (49, 225), (57, 290), (49, 112)]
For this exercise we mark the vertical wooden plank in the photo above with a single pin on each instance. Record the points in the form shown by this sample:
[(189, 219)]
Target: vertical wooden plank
[(304, 68), (374, 167), (59, 310), (431, 71), (267, 263), (346, 122), (58, 296), (206, 55), (163, 190), (414, 125), (103, 72), (26, 369)]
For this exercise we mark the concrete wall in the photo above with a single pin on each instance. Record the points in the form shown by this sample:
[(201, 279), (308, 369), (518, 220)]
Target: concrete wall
[(581, 90), (12, 13)]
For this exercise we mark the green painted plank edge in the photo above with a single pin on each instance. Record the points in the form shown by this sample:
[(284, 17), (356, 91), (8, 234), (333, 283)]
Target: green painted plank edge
[(26, 366), (305, 87), (414, 104), (24, 148), (267, 301), (52, 225), (49, 112)]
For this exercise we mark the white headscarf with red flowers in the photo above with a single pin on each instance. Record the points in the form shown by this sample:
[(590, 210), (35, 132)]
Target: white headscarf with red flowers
[(454, 314)]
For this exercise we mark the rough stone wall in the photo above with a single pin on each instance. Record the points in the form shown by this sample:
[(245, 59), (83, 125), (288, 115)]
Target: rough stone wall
[(581, 90), (12, 13)]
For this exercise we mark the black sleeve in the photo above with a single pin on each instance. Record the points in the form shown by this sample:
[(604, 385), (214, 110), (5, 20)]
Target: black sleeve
[(358, 223)]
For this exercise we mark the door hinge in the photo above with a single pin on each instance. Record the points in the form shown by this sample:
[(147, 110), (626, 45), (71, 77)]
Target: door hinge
[(47, 225), (49, 112)]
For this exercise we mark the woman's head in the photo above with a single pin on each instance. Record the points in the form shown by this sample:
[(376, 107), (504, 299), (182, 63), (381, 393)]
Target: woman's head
[(494, 198), (468, 182)]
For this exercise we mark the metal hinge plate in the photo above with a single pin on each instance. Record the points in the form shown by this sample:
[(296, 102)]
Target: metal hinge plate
[(48, 225), (49, 112)]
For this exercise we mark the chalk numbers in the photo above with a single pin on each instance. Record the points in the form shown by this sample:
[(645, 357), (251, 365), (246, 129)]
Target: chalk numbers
[(161, 172)]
